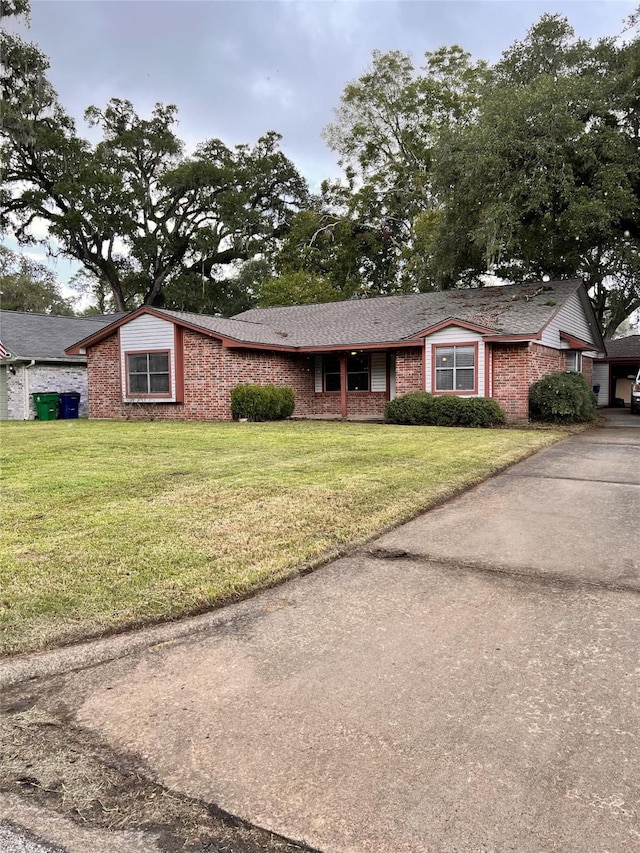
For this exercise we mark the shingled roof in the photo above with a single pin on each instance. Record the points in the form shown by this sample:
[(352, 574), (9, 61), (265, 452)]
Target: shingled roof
[(247, 331), (513, 310), (46, 336), (509, 310), (628, 347)]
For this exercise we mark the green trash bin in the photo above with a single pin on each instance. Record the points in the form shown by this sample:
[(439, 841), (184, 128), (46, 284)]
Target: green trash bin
[(46, 406)]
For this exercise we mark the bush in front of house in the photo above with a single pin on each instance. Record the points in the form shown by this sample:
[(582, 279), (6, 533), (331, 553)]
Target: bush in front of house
[(447, 411), (423, 409), (562, 398), (481, 412), (262, 402), (412, 408)]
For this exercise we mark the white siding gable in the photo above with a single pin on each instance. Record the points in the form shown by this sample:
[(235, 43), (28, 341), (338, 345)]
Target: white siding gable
[(145, 334), (570, 319), (454, 335)]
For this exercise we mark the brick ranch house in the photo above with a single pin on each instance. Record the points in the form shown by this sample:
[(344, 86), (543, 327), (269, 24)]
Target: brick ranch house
[(343, 359)]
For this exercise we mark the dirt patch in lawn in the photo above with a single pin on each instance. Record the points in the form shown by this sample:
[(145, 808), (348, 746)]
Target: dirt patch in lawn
[(53, 764)]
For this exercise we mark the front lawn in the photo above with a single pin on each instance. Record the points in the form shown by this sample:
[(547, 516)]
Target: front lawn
[(114, 524)]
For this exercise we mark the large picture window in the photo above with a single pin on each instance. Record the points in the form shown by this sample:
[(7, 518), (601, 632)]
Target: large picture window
[(455, 368), (358, 372), (148, 374)]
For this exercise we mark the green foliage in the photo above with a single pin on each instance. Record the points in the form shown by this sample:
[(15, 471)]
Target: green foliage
[(562, 398), (413, 409), (262, 402), (522, 170), (339, 255), (447, 410), (481, 412), (423, 409), (544, 181), (295, 288), (28, 286), (386, 131)]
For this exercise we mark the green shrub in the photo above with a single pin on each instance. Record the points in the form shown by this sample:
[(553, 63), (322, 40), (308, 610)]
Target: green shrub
[(447, 410), (562, 398), (410, 408), (420, 408), (262, 402), (481, 412)]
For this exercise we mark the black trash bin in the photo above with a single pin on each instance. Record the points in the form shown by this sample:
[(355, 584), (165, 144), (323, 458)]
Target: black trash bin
[(68, 405)]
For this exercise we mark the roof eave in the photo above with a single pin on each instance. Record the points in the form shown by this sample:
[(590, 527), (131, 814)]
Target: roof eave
[(512, 339), (336, 347)]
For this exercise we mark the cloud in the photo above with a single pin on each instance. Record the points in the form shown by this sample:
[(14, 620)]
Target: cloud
[(265, 87)]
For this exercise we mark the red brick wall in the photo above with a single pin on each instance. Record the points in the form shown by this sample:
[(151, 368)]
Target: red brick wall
[(210, 372), (409, 370), (517, 366), (368, 404), (103, 376)]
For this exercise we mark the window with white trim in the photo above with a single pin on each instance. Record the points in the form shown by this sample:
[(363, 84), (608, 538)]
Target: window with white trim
[(455, 368), (148, 374), (573, 361)]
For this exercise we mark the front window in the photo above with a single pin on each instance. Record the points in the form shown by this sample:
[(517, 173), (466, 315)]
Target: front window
[(358, 371), (455, 368), (331, 373), (148, 373)]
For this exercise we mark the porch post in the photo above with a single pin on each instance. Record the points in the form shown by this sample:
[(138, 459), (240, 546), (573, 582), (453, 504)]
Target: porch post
[(343, 385)]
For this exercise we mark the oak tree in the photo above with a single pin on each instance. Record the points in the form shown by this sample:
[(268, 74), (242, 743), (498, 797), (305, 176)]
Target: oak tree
[(135, 209)]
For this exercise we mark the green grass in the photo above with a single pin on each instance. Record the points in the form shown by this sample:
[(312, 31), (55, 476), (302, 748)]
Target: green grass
[(113, 524)]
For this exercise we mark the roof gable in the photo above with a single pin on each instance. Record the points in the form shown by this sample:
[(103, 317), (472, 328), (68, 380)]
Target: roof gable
[(448, 323)]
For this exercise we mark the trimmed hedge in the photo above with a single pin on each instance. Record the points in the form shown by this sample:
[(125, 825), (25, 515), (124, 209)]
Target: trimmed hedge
[(421, 408), (262, 402), (410, 408), (562, 398)]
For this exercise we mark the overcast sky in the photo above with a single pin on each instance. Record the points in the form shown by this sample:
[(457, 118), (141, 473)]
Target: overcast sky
[(237, 68)]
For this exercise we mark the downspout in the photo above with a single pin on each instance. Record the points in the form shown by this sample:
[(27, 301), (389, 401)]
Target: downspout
[(26, 388)]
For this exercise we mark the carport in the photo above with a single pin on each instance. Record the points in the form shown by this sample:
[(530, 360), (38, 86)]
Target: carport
[(612, 372)]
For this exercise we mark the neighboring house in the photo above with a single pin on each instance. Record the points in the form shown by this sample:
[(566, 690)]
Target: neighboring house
[(343, 359), (34, 359), (611, 372)]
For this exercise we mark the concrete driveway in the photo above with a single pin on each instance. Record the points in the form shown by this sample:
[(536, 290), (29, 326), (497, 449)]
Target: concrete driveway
[(469, 682)]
